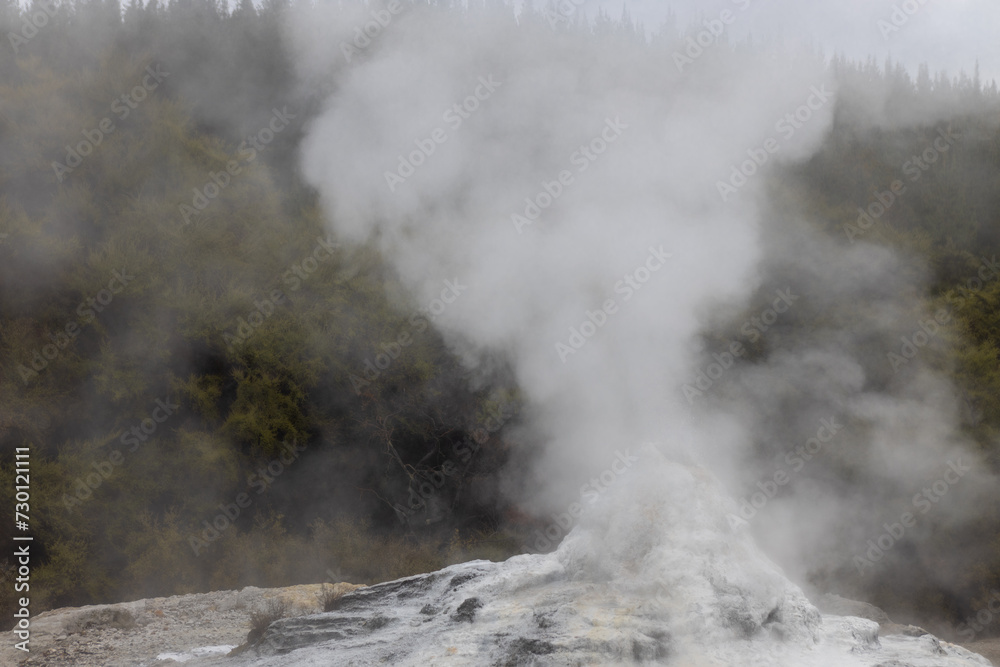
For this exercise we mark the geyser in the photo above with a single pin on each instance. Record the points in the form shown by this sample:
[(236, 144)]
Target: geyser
[(654, 574), (578, 202)]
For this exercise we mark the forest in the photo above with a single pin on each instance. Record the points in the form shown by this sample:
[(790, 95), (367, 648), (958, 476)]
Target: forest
[(218, 393)]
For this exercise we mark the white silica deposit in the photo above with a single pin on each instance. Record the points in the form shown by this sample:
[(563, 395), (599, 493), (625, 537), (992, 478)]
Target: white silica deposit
[(654, 574), (199, 652)]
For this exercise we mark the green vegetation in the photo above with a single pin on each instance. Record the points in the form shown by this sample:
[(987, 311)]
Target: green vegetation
[(172, 358), (118, 303), (946, 222)]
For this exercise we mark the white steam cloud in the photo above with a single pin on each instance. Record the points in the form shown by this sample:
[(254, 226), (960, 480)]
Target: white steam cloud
[(665, 139), (548, 175)]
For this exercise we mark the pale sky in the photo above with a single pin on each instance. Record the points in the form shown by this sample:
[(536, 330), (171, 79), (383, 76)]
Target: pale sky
[(948, 34)]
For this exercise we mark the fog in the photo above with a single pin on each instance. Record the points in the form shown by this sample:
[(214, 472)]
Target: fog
[(951, 35), (596, 274), (731, 241)]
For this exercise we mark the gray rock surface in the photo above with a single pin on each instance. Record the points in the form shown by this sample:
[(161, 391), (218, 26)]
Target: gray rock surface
[(840, 606), (129, 634), (655, 573)]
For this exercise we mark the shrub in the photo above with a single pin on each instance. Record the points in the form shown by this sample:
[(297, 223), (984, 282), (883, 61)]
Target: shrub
[(263, 616), (330, 597)]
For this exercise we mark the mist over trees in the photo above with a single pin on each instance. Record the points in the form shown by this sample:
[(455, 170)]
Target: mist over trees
[(182, 339)]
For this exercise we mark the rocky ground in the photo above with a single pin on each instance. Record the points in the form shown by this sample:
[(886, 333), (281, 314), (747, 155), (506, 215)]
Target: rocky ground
[(832, 604), (667, 581), (155, 631), (166, 631), (988, 648)]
